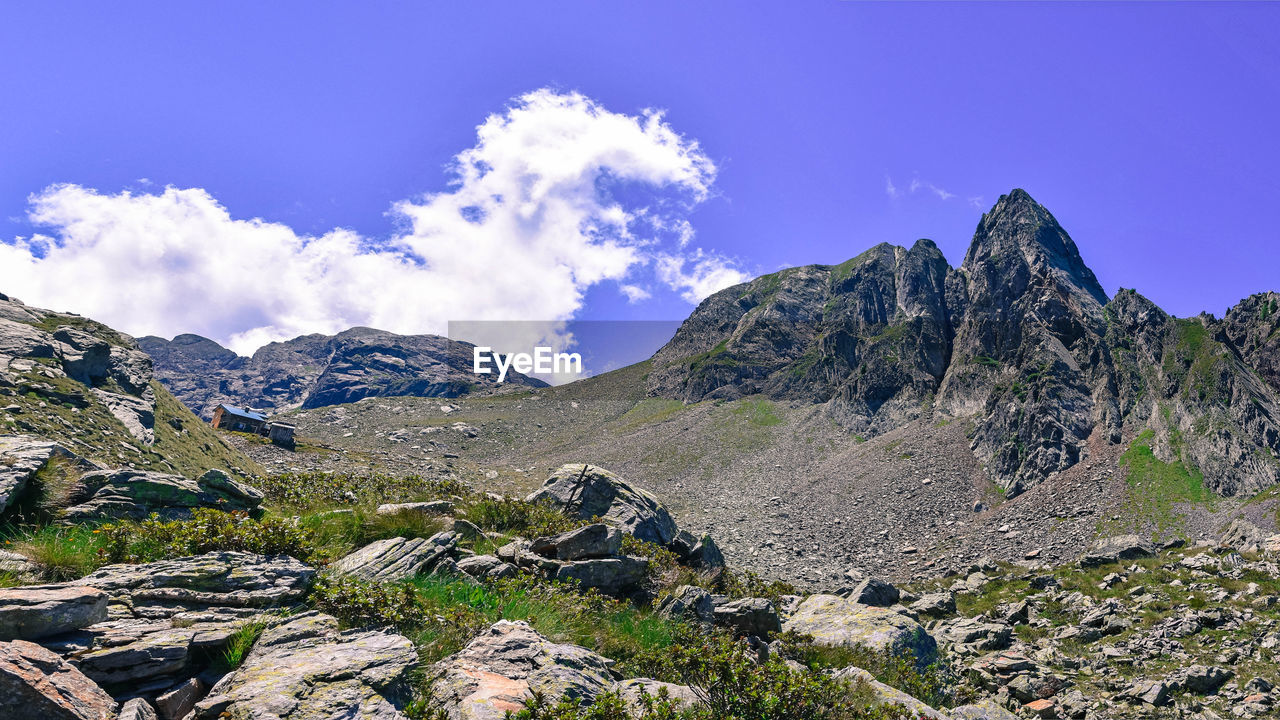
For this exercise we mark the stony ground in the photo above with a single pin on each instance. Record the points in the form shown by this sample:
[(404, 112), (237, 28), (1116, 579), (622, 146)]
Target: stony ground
[(786, 491)]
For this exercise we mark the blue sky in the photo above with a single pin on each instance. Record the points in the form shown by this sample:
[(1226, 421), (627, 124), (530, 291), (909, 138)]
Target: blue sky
[(1148, 129)]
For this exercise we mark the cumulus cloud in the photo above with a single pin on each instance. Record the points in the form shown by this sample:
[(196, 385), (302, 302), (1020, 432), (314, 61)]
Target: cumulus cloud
[(557, 194), (698, 275)]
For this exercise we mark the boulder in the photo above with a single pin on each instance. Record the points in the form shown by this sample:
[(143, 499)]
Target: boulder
[(137, 709), (748, 616), (679, 696), (688, 602), (397, 558), (1244, 536), (1115, 549), (178, 701), (975, 634), (39, 611), (935, 605), (1201, 679), (303, 667), (592, 541), (229, 579), (136, 494), (889, 696), (697, 553), (497, 671), (21, 457), (833, 620), (129, 651), (985, 710), (610, 576), (487, 566), (874, 591), (435, 507), (589, 491), (36, 683)]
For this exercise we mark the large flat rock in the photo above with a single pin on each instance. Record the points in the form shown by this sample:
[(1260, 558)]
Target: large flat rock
[(396, 558), (36, 683), (136, 494), (497, 671), (38, 611), (833, 620), (304, 668), (229, 579)]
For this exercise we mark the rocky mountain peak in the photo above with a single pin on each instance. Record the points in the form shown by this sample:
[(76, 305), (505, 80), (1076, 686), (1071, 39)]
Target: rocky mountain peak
[(1019, 231)]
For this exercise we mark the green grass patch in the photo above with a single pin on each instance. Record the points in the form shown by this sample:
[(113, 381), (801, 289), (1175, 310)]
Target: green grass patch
[(758, 412), (1156, 486), (62, 552), (650, 410)]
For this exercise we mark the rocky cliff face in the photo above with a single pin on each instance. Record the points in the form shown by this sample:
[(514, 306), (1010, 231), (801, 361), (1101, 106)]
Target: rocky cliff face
[(91, 390), (1021, 339), (317, 370), (870, 338)]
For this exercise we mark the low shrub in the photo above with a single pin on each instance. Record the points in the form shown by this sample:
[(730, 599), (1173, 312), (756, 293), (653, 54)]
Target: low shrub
[(336, 533), (312, 491), (207, 531), (442, 613), (932, 685), (731, 686), (509, 515)]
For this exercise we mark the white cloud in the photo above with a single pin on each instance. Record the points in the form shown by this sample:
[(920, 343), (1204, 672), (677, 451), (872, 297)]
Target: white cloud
[(917, 184), (532, 219), (706, 274), (635, 293)]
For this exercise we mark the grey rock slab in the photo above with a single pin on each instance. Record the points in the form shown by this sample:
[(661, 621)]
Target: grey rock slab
[(311, 671), (631, 691), (588, 491), (42, 610), (36, 683), (1115, 549), (435, 507), (497, 671), (592, 541), (227, 579), (396, 558), (986, 710), (835, 621), (889, 695), (748, 616), (136, 494)]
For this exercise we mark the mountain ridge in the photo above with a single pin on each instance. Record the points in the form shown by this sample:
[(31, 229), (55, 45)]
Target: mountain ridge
[(1019, 338), (316, 370)]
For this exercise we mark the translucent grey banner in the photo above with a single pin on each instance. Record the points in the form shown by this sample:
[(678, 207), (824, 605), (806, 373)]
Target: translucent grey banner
[(550, 348)]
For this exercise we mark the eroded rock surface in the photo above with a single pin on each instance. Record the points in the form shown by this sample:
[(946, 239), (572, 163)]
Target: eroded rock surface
[(496, 672)]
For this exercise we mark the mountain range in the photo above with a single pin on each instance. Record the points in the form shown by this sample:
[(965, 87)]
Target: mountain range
[(317, 370), (1021, 340)]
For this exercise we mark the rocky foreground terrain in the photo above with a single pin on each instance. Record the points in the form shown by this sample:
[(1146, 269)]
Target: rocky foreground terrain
[(317, 370), (311, 597)]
